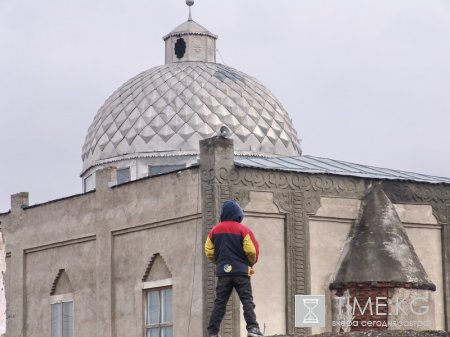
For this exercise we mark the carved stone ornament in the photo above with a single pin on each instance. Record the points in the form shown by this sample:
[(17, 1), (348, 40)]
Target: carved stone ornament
[(241, 196), (283, 200), (437, 196)]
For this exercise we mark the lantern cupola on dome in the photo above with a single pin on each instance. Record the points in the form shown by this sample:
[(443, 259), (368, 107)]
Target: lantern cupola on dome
[(190, 42)]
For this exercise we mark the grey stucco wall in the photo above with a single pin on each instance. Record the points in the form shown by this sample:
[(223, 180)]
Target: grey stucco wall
[(104, 239), (181, 250), (269, 280), (40, 271)]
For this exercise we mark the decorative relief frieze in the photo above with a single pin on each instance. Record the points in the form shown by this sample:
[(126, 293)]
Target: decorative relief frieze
[(448, 211), (270, 180), (242, 196), (436, 196), (208, 176), (300, 251), (283, 200), (312, 202), (208, 221)]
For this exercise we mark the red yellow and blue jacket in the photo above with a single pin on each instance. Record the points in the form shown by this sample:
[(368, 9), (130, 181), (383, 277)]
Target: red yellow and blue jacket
[(233, 248)]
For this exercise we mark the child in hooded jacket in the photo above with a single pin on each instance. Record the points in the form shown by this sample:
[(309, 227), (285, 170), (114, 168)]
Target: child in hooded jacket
[(233, 248)]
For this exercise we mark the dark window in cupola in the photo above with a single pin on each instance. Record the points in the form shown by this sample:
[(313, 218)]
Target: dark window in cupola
[(180, 48)]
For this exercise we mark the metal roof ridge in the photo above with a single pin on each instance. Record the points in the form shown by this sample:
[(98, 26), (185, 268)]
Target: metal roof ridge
[(339, 167), (384, 168)]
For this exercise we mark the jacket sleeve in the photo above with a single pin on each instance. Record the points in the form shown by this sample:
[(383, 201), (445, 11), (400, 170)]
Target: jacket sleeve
[(251, 248), (210, 249)]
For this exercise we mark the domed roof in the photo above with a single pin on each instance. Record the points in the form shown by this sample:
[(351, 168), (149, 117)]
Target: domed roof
[(166, 110)]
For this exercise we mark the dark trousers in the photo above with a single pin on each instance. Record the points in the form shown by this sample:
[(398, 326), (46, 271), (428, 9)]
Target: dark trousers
[(225, 285)]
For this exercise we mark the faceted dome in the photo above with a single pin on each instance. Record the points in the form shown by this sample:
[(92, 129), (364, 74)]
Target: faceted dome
[(165, 112)]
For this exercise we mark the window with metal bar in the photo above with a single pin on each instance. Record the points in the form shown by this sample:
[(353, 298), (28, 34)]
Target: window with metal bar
[(62, 319), (158, 316)]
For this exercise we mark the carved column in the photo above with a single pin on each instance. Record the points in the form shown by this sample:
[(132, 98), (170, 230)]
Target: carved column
[(216, 156)]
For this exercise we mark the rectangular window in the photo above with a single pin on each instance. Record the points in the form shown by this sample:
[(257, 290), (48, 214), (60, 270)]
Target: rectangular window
[(155, 170), (62, 319), (159, 321), (123, 175), (89, 183)]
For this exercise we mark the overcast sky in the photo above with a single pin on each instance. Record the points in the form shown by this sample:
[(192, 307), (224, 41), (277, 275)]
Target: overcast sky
[(364, 81)]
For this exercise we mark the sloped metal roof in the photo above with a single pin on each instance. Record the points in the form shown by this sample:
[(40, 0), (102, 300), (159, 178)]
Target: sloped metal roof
[(317, 165), (190, 28)]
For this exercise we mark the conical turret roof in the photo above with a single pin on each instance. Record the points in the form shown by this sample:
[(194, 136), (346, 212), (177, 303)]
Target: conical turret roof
[(378, 248)]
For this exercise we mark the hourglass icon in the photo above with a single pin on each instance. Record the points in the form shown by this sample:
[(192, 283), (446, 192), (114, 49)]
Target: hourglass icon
[(310, 304)]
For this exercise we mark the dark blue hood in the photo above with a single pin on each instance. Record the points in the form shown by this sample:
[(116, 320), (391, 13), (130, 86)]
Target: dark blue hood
[(231, 211)]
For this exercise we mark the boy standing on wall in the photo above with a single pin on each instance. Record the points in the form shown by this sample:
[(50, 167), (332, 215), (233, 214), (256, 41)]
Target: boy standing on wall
[(233, 248)]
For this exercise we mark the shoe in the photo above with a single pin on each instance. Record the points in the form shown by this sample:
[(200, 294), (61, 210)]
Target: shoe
[(215, 335), (254, 332)]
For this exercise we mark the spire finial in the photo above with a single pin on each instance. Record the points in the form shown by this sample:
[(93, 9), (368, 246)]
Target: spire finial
[(190, 3)]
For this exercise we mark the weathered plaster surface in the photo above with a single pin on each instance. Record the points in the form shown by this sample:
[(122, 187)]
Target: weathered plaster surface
[(181, 251), (416, 214), (80, 234), (427, 243), (328, 239), (261, 202), (329, 229), (269, 281), (41, 268), (338, 208)]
